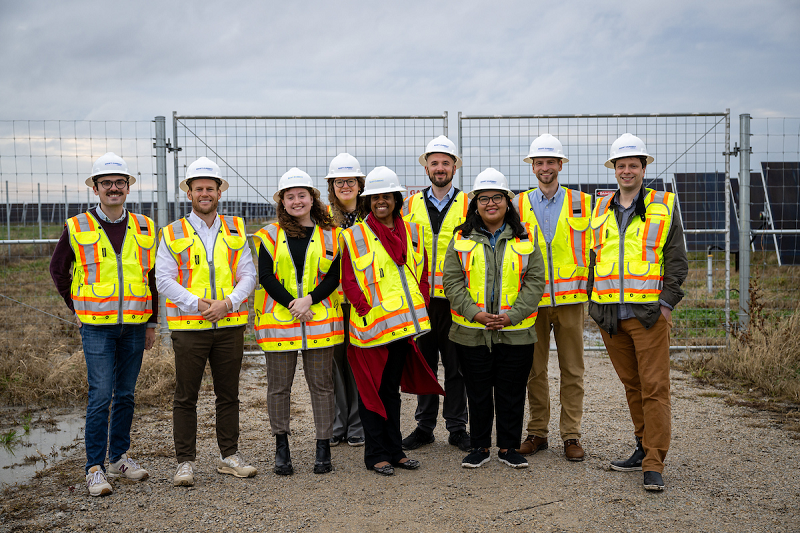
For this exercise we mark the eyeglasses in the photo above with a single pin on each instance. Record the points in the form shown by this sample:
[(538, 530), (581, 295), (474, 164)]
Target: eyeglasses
[(496, 199), (351, 182), (120, 183)]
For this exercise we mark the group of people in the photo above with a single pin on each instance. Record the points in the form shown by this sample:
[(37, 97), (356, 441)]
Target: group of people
[(372, 290)]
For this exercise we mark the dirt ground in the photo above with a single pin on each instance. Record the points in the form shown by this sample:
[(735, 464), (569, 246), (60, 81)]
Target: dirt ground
[(730, 468)]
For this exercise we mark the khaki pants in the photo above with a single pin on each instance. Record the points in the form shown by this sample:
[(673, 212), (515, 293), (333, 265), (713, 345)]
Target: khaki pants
[(641, 359), (566, 322)]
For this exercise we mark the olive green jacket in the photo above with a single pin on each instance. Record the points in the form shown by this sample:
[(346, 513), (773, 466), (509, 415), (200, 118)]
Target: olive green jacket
[(461, 302)]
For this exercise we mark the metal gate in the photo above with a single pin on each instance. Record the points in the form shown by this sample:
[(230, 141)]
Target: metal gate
[(692, 159)]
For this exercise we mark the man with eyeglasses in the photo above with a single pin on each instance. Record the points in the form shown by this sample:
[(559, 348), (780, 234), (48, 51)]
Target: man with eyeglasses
[(560, 217), (440, 208), (103, 268)]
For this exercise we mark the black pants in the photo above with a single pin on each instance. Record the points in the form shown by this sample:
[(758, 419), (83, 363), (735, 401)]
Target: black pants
[(496, 383), (382, 436), (454, 410)]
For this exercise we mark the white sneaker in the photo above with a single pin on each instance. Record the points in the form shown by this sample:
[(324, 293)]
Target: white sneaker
[(128, 468), (184, 477), (97, 483), (236, 465)]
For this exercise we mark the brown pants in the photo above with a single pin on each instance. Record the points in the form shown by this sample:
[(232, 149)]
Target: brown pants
[(223, 349), (566, 322), (318, 369), (641, 358)]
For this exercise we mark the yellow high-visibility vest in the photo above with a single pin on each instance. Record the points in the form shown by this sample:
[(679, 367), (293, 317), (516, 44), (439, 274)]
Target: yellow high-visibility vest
[(203, 278), (567, 255), (630, 268), (472, 255), (415, 210), (108, 288), (392, 291), (276, 329)]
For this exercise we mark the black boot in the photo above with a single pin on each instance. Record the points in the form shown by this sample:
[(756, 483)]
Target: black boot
[(322, 463), (283, 461), (634, 462)]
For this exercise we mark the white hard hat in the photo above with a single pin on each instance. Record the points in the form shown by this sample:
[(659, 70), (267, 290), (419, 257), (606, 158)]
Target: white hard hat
[(344, 165), (628, 146), (294, 177), (491, 180), (203, 168), (381, 180), (545, 145), (109, 163), (440, 145)]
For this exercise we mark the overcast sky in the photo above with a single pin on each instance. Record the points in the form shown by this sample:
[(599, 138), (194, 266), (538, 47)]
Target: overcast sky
[(134, 60)]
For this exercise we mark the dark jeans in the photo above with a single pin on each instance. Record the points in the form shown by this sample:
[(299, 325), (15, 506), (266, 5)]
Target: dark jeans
[(454, 410), (496, 383), (113, 359), (382, 436), (223, 349)]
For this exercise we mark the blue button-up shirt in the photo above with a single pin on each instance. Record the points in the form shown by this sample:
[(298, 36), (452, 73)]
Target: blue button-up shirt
[(547, 211), (440, 204)]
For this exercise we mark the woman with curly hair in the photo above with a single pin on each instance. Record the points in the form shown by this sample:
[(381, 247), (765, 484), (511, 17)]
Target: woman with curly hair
[(298, 309)]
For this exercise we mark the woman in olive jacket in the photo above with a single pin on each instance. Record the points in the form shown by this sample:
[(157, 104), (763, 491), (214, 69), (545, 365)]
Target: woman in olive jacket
[(492, 320)]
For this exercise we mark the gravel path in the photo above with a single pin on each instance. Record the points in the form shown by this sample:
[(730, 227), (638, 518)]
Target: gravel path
[(729, 469)]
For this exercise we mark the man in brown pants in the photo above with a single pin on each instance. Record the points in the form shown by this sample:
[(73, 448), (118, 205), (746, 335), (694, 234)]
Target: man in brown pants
[(638, 266), (561, 218)]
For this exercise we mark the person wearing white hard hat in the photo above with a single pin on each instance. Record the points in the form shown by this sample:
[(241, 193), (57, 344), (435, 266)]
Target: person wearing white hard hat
[(102, 267), (494, 330), (345, 184), (206, 271), (637, 269), (439, 208), (560, 217), (298, 311), (384, 275)]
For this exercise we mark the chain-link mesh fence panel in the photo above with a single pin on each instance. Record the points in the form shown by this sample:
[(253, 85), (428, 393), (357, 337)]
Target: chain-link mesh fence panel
[(691, 159)]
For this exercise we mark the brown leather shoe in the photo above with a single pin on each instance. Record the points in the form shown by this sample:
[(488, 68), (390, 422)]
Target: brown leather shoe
[(573, 450), (532, 445)]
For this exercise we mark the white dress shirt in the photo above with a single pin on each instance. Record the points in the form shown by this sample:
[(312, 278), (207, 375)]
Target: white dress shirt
[(167, 269)]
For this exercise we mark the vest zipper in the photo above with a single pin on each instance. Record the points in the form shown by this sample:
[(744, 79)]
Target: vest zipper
[(120, 281), (304, 340), (552, 287), (621, 261), (210, 261), (435, 240)]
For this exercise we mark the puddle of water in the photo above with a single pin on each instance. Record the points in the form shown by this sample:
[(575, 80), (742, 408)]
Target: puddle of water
[(44, 440)]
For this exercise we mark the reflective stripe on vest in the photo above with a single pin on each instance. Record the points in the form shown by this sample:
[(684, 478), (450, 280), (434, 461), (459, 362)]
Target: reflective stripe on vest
[(415, 209), (98, 272), (387, 287), (276, 329), (568, 252), (213, 279), (641, 277), (473, 257)]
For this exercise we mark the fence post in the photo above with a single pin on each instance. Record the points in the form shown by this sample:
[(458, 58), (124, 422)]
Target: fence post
[(460, 155), (175, 151), (8, 217), (66, 204), (39, 201), (744, 219), (727, 224), (161, 185)]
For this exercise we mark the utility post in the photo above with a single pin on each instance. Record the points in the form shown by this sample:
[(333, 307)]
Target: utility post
[(161, 184), (744, 219)]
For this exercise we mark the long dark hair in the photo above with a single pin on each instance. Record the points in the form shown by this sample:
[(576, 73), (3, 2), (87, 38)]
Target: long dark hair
[(319, 215), (474, 221), (337, 209)]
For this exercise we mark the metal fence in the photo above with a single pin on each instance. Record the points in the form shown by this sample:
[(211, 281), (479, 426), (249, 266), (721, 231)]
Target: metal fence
[(692, 158)]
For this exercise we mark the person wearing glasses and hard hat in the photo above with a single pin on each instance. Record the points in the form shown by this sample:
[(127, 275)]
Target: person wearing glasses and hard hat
[(637, 269), (206, 271), (345, 184), (298, 311), (560, 217), (102, 267), (494, 279), (384, 275), (439, 208)]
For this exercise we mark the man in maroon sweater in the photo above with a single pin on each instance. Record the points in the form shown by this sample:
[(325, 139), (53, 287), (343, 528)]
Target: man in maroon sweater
[(102, 267)]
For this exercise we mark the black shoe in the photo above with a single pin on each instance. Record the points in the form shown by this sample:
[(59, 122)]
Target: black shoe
[(634, 462), (322, 463), (476, 459), (336, 440), (385, 470), (411, 464), (653, 481), (416, 439), (355, 441), (461, 439), (511, 458), (283, 461)]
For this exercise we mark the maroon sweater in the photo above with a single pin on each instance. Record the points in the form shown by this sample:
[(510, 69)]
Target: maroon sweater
[(64, 257)]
